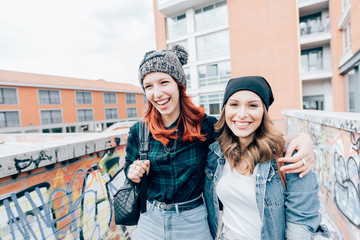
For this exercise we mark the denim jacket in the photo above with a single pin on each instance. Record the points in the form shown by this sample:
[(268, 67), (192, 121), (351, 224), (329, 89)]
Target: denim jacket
[(291, 214)]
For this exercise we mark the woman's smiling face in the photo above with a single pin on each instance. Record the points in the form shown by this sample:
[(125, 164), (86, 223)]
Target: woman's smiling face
[(243, 114), (162, 92)]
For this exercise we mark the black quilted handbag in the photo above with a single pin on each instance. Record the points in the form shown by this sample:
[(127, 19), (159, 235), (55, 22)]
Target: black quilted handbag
[(126, 204), (130, 200)]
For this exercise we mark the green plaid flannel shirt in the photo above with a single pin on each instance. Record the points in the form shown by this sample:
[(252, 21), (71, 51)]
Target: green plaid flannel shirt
[(177, 176)]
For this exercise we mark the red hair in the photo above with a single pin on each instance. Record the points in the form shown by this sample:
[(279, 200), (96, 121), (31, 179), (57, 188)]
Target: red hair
[(190, 115)]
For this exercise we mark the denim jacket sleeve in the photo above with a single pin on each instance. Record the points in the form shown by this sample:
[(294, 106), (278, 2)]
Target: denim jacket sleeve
[(302, 206)]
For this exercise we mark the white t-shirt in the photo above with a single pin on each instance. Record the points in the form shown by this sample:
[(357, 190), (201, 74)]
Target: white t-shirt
[(237, 193)]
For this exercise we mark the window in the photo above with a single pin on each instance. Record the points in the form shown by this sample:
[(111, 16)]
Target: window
[(111, 113), (354, 89), (344, 4), (145, 99), (214, 74), (130, 99), (312, 60), (212, 103), (8, 96), (85, 115), (213, 45), (83, 98), (9, 119), (50, 116), (183, 43), (313, 24), (313, 102), (176, 26), (109, 98), (49, 96), (131, 112), (188, 80), (346, 33), (211, 16)]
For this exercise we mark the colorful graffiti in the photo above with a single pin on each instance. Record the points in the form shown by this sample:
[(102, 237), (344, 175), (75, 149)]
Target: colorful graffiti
[(71, 200), (337, 165)]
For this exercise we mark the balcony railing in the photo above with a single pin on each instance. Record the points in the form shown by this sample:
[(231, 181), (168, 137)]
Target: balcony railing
[(315, 26)]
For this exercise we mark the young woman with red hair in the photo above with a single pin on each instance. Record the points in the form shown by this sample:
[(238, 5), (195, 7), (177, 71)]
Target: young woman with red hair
[(180, 135)]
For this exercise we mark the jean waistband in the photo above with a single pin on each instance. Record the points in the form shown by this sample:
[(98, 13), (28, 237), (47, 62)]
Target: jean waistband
[(188, 205)]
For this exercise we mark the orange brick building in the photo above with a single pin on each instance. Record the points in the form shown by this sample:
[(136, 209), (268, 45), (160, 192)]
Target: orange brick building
[(43, 103), (307, 49)]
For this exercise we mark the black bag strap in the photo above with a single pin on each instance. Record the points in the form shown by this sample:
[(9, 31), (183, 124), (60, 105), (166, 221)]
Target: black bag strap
[(144, 137)]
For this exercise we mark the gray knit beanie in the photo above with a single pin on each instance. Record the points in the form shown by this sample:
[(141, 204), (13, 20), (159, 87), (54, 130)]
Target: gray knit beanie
[(166, 61)]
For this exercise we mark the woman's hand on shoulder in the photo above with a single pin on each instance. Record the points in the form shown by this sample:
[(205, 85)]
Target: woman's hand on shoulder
[(303, 160), (137, 170)]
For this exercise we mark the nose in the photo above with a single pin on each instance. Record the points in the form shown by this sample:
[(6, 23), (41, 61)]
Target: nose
[(242, 113), (157, 92)]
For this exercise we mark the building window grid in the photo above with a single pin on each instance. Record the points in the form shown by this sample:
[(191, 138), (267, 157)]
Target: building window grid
[(314, 24), (85, 115), (346, 33), (49, 96), (214, 74), (188, 77), (83, 98), (9, 119), (315, 102), (211, 45), (131, 112), (130, 99), (145, 99), (312, 60), (8, 96), (183, 43), (50, 116), (176, 26), (212, 103), (111, 113), (211, 16), (354, 89), (109, 98), (344, 4)]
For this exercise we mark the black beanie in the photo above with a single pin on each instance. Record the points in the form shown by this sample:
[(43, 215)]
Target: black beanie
[(255, 84)]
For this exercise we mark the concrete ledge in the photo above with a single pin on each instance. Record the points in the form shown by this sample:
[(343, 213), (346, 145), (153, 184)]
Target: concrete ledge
[(342, 120), (24, 152)]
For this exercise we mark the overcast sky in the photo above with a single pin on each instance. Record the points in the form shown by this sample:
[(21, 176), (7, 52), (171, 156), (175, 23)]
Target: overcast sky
[(88, 39)]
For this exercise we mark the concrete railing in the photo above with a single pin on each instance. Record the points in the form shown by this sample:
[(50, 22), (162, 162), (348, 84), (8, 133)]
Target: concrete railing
[(59, 186), (336, 138)]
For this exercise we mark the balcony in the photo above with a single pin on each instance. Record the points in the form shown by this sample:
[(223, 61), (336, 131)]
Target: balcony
[(310, 6), (316, 75), (314, 66), (314, 33), (170, 7)]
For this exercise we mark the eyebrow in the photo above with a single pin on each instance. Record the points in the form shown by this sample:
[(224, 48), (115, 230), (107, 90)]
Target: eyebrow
[(235, 100)]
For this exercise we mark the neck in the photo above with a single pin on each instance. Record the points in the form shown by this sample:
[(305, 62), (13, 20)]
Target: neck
[(168, 120), (244, 142)]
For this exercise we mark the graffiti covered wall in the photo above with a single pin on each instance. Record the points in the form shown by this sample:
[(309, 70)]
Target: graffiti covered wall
[(62, 190), (336, 140)]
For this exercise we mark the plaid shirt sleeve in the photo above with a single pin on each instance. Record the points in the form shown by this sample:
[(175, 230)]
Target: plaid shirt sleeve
[(132, 150)]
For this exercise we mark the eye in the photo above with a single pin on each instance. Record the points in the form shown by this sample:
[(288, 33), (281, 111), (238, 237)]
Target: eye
[(165, 82), (147, 86), (253, 105), (233, 104)]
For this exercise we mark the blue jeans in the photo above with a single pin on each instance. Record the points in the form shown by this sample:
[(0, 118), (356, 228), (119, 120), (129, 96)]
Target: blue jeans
[(156, 224)]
